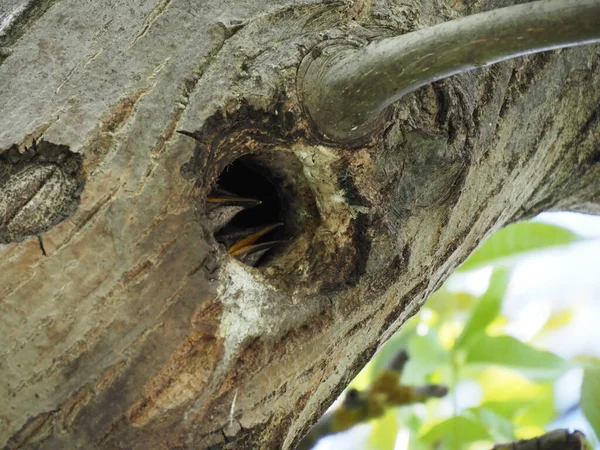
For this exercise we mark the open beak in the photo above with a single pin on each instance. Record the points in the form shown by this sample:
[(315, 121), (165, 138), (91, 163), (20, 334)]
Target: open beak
[(241, 243)]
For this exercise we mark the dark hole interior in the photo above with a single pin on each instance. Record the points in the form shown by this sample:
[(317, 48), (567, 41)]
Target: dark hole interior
[(247, 177)]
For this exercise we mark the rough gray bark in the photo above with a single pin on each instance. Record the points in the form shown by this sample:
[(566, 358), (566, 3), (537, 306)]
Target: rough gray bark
[(137, 330)]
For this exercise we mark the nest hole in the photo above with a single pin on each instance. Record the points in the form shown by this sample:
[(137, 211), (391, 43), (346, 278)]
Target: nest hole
[(254, 205)]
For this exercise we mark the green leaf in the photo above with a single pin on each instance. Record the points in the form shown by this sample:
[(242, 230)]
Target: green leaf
[(502, 384), (539, 412), (426, 356), (509, 352), (411, 422), (506, 409), (590, 396), (447, 303), (487, 309), (500, 428), (515, 240), (384, 432), (456, 431)]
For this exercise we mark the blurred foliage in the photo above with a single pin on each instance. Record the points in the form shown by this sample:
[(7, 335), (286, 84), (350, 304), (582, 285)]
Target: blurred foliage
[(590, 395), (508, 244), (501, 388)]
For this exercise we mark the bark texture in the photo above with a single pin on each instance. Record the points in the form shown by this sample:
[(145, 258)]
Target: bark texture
[(136, 330)]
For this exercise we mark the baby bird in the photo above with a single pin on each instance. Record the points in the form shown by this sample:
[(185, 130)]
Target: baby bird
[(241, 243), (222, 206)]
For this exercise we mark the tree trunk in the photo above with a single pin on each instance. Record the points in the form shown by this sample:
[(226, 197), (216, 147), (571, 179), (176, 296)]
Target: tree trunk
[(125, 325)]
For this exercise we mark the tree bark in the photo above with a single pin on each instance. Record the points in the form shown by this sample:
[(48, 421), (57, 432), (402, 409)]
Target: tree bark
[(136, 329), (347, 90)]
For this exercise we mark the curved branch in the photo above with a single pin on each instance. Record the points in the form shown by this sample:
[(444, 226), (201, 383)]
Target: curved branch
[(358, 407), (345, 89), (553, 440)]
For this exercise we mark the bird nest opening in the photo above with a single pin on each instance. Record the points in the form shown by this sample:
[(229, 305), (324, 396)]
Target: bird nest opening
[(258, 205)]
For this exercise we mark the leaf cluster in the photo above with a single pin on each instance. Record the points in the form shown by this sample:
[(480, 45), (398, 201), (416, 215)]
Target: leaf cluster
[(501, 388)]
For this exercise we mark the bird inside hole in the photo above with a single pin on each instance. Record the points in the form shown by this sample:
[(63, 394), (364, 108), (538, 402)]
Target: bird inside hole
[(247, 243)]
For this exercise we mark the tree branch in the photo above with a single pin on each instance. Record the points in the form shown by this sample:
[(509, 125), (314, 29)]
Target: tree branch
[(345, 89), (358, 407), (553, 440)]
